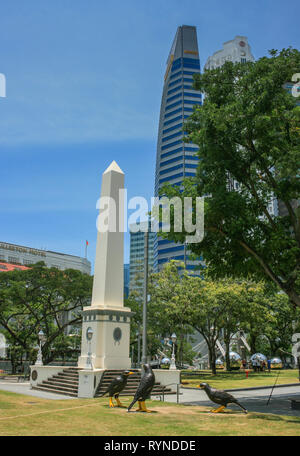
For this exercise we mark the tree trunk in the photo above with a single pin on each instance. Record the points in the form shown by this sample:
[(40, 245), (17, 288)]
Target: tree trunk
[(226, 337), (209, 359), (181, 349), (14, 363), (227, 357), (293, 295), (212, 359), (252, 344)]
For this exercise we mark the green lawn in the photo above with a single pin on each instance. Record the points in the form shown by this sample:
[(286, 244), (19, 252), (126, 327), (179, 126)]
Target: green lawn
[(224, 380), (30, 416)]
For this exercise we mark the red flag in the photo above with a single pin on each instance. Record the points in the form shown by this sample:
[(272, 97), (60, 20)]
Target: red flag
[(87, 243)]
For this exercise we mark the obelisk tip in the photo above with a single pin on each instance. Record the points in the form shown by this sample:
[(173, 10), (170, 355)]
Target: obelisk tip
[(113, 167)]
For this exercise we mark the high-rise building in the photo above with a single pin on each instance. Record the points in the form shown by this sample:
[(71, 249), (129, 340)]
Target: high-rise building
[(176, 160), (295, 203), (136, 267), (126, 280), (237, 50)]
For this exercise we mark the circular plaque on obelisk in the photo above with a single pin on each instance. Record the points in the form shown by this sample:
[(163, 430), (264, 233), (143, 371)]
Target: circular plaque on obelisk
[(117, 334)]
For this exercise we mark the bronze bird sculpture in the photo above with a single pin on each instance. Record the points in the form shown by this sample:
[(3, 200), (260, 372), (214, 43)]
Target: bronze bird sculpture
[(220, 397), (144, 389), (116, 387)]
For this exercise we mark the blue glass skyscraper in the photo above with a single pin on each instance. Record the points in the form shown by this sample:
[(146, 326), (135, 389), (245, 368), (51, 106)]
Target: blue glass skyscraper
[(176, 160)]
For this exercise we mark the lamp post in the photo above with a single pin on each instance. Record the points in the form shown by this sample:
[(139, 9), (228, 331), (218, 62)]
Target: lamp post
[(39, 360), (173, 364), (138, 335), (132, 352), (89, 336), (145, 296), (166, 340)]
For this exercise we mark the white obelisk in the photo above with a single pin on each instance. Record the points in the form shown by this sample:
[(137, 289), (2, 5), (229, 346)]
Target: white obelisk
[(107, 319)]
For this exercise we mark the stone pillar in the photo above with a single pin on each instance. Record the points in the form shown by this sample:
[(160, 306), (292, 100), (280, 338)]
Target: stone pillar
[(107, 316)]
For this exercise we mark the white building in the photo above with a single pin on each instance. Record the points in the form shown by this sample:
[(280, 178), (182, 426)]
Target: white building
[(25, 256), (237, 50)]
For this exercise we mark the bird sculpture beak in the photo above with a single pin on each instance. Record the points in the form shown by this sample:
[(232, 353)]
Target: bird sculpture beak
[(131, 373), (201, 387)]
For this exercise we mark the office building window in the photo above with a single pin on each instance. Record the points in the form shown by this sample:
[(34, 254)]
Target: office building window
[(27, 262), (13, 259)]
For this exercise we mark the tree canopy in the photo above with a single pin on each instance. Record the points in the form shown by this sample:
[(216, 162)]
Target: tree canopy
[(41, 298), (219, 308), (248, 133)]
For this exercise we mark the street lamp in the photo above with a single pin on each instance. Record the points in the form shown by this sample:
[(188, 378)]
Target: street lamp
[(89, 336), (145, 296), (42, 339), (173, 365), (138, 335), (166, 340)]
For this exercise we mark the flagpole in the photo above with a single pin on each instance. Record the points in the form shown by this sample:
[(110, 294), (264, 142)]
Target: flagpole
[(86, 244)]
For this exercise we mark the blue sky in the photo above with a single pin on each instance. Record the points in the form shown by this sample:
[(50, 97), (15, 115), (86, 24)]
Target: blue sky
[(84, 81)]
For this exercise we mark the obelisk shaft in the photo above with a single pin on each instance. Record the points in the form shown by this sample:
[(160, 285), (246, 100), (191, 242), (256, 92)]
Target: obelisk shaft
[(108, 285)]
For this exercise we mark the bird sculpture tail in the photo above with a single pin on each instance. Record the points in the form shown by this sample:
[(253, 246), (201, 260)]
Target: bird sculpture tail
[(242, 407), (103, 394), (132, 404)]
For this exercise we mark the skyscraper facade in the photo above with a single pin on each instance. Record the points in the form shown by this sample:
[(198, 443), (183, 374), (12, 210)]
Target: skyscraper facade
[(136, 266), (295, 203), (176, 160), (126, 280)]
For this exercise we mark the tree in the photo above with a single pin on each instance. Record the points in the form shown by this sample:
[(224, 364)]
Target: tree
[(285, 322), (41, 298), (257, 315), (168, 309), (231, 296), (225, 306), (248, 136), (185, 303), (219, 308)]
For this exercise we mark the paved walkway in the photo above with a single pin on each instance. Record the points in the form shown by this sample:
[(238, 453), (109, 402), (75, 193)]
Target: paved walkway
[(24, 388), (252, 400)]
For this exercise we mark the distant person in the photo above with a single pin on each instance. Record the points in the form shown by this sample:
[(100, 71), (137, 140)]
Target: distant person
[(244, 364), (269, 365), (255, 365)]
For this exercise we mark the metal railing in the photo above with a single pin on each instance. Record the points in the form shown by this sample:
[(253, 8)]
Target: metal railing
[(162, 396)]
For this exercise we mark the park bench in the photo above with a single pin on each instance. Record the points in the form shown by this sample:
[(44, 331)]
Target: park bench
[(6, 375), (295, 403)]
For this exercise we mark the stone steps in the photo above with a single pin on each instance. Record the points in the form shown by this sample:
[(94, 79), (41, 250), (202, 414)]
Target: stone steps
[(59, 383), (132, 384), (65, 382), (66, 388), (49, 390), (65, 375)]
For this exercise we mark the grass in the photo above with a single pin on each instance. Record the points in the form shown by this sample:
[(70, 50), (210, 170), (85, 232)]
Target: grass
[(30, 416), (227, 380)]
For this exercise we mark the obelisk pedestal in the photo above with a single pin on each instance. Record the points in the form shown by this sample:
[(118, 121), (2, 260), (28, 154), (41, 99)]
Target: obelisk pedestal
[(107, 318)]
